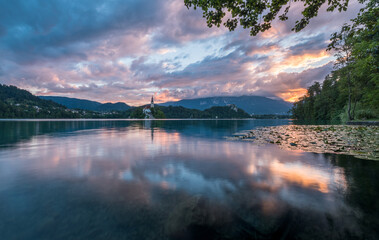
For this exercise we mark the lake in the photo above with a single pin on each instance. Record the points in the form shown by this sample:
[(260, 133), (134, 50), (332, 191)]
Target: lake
[(179, 179)]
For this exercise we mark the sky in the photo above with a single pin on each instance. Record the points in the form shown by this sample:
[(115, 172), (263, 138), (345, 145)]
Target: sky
[(128, 50)]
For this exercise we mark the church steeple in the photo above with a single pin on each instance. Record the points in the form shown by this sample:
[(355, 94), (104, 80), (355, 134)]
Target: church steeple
[(152, 102)]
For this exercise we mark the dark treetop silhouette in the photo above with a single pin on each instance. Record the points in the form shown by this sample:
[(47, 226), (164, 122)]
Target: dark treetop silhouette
[(257, 15)]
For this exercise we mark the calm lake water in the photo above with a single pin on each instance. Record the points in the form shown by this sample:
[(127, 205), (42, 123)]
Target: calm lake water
[(176, 180)]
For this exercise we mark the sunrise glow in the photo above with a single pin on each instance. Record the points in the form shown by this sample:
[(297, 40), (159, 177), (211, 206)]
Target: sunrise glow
[(293, 95), (158, 48)]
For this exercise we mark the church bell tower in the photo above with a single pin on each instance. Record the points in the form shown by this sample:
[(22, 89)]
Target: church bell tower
[(152, 102)]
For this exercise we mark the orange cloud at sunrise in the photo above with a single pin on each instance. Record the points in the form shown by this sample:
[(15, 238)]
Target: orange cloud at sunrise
[(164, 97), (293, 95), (305, 59)]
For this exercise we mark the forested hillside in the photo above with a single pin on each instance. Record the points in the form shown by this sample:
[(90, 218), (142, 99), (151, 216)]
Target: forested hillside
[(352, 91), (250, 104), (75, 103), (213, 112), (19, 103), (179, 112)]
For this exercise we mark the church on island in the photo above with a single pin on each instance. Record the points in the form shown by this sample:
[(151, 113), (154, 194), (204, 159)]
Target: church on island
[(148, 110)]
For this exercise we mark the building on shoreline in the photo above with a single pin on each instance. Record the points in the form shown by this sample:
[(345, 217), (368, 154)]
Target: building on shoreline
[(147, 110)]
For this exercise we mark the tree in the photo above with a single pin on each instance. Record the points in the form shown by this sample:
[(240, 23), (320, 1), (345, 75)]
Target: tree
[(157, 113), (342, 44), (366, 53), (321, 102), (326, 106), (257, 15), (354, 86), (137, 113), (356, 48)]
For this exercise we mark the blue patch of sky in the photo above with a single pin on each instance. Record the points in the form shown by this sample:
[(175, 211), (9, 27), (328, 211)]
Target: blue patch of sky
[(191, 52)]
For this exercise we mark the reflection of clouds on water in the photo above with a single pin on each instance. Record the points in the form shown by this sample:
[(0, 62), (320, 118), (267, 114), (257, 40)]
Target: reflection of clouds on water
[(302, 175), (215, 168), (142, 166), (179, 177)]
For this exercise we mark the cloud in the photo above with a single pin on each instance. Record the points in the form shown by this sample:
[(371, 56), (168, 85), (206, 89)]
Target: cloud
[(182, 25), (39, 29), (129, 50)]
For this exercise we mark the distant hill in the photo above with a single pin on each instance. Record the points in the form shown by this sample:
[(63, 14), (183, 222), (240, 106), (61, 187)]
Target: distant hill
[(75, 103), (230, 111), (119, 106), (19, 103), (16, 96), (251, 104), (170, 112)]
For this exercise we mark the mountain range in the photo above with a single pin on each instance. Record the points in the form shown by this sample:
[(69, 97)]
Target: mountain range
[(75, 103), (19, 103), (256, 105), (251, 104)]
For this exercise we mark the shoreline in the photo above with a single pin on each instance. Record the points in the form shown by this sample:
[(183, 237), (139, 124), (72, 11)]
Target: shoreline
[(363, 123), (133, 119), (359, 141)]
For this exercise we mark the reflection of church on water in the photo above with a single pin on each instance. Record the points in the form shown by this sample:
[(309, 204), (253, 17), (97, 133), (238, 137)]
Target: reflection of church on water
[(148, 124)]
